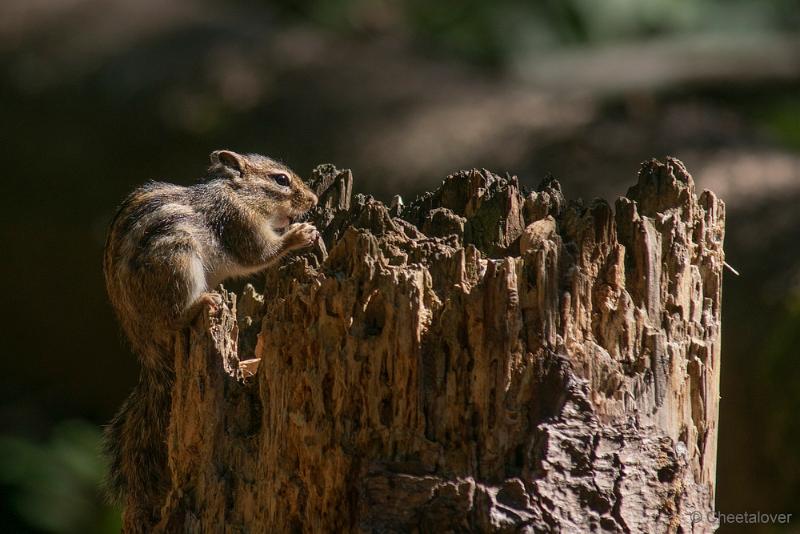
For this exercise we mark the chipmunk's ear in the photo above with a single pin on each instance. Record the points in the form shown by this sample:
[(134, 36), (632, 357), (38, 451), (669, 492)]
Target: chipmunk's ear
[(229, 159)]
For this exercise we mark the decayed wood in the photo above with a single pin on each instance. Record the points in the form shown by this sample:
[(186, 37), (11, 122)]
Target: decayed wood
[(483, 359)]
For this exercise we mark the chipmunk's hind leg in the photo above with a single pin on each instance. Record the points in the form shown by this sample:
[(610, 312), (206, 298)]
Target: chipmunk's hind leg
[(208, 299), (195, 295)]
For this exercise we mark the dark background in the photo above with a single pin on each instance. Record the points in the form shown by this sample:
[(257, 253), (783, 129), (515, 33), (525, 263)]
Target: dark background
[(99, 96)]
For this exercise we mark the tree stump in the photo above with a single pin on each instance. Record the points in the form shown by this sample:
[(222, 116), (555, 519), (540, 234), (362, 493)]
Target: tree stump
[(484, 359)]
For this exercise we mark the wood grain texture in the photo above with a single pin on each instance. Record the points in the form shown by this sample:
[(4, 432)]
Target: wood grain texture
[(483, 359)]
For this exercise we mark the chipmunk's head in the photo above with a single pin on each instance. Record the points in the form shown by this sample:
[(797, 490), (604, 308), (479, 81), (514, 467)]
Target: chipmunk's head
[(267, 186)]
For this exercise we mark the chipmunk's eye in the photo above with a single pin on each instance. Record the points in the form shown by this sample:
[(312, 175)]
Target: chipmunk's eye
[(280, 178)]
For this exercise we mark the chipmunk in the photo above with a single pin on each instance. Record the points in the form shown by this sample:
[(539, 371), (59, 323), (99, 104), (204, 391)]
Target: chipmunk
[(167, 247)]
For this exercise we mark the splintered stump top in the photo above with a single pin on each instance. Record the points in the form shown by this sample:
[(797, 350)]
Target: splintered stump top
[(482, 359)]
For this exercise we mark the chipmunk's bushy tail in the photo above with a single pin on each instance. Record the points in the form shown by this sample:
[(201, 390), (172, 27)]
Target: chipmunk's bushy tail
[(135, 442)]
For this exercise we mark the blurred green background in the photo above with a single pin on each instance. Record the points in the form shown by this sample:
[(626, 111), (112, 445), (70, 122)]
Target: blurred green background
[(96, 97)]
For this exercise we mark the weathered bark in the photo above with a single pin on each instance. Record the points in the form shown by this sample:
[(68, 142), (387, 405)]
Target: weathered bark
[(483, 359)]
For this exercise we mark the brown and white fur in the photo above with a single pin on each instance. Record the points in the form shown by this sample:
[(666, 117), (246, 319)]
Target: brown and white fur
[(167, 248)]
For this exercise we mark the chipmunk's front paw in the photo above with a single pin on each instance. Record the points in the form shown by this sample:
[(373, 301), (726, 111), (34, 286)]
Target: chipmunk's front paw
[(300, 235)]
